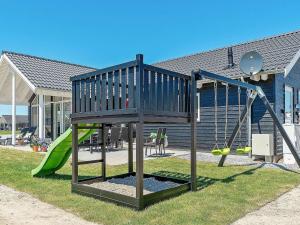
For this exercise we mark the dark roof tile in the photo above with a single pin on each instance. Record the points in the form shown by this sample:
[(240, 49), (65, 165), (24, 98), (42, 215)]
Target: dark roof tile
[(277, 52)]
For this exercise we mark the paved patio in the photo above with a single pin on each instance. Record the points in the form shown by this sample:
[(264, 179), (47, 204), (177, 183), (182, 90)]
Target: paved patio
[(116, 157), (121, 156), (284, 210)]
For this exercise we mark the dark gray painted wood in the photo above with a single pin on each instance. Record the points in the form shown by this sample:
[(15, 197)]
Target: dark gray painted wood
[(179, 134)]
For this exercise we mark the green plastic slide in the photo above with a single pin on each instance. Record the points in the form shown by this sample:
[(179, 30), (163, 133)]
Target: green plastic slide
[(59, 152)]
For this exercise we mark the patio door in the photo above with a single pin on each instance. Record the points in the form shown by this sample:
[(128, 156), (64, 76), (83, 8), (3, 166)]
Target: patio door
[(288, 105), (61, 116)]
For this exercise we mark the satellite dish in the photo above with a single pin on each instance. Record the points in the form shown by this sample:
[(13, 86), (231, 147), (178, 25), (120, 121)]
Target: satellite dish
[(251, 63)]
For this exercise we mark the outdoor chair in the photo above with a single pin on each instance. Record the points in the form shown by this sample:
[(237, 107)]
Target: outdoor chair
[(114, 139), (162, 141), (27, 137), (154, 142), (5, 140), (124, 136)]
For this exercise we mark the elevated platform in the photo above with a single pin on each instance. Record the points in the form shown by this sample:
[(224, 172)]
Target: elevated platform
[(131, 91)]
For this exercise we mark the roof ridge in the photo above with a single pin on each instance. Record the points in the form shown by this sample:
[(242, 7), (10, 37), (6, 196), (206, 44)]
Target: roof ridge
[(232, 45), (46, 59)]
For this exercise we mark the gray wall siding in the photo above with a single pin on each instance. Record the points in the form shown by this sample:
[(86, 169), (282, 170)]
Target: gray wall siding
[(292, 80), (261, 120), (179, 134)]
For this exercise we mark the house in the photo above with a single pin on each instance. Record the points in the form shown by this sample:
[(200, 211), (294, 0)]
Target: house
[(6, 122), (43, 85)]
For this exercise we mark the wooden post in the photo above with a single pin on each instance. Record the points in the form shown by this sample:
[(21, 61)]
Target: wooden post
[(130, 148), (140, 130), (103, 152), (279, 126), (193, 133), (75, 154)]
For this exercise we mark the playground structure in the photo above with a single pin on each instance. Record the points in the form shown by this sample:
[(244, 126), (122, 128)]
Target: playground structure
[(131, 93), (255, 91), (137, 93)]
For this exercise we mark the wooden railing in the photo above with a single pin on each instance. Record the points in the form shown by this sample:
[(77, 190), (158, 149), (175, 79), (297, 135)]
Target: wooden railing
[(131, 87)]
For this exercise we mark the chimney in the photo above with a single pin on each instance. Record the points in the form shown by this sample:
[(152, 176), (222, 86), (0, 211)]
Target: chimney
[(230, 57)]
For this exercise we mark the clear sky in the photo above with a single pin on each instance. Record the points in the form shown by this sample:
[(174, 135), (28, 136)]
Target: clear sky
[(101, 33)]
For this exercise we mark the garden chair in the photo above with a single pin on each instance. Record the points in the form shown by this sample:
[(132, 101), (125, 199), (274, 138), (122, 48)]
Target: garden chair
[(124, 136), (27, 137), (154, 142), (162, 141), (114, 137)]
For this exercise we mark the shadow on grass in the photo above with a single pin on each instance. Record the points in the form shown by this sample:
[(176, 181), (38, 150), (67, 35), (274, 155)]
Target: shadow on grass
[(203, 182), (63, 177)]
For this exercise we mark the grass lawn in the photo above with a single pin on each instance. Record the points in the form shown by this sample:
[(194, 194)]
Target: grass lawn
[(6, 132), (224, 195)]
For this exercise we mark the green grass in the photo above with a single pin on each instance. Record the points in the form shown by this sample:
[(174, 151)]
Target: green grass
[(6, 132), (224, 195)]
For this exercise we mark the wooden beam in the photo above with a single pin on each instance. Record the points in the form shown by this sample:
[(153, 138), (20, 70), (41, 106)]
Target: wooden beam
[(140, 130), (103, 152), (193, 133), (130, 148), (74, 154)]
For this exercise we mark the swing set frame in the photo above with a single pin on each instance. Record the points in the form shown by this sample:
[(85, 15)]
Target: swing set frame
[(256, 91)]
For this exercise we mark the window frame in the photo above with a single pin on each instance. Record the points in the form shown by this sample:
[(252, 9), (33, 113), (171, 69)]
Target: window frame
[(198, 106)]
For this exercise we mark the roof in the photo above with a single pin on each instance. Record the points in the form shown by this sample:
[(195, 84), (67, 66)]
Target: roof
[(277, 52), (19, 118), (47, 73)]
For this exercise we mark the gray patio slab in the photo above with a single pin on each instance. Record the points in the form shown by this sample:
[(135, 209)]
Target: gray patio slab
[(284, 210)]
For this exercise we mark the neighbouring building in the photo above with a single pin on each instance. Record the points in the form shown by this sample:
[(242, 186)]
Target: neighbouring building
[(6, 122)]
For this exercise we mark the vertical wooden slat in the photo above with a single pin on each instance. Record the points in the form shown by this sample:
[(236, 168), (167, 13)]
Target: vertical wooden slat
[(98, 93), (77, 96), (124, 88), (103, 92), (165, 92), (131, 87), (188, 97), (159, 92), (153, 98), (93, 94), (185, 96), (87, 95), (146, 89), (171, 93), (73, 97), (116, 89), (110, 91), (181, 91), (82, 108), (176, 94)]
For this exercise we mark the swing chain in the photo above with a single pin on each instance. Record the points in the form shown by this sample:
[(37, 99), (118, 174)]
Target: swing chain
[(226, 114), (216, 113), (239, 108)]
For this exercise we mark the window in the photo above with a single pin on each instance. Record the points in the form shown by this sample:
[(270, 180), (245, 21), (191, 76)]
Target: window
[(288, 105), (198, 106)]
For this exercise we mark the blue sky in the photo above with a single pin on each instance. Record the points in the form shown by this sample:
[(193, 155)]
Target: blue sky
[(102, 33)]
